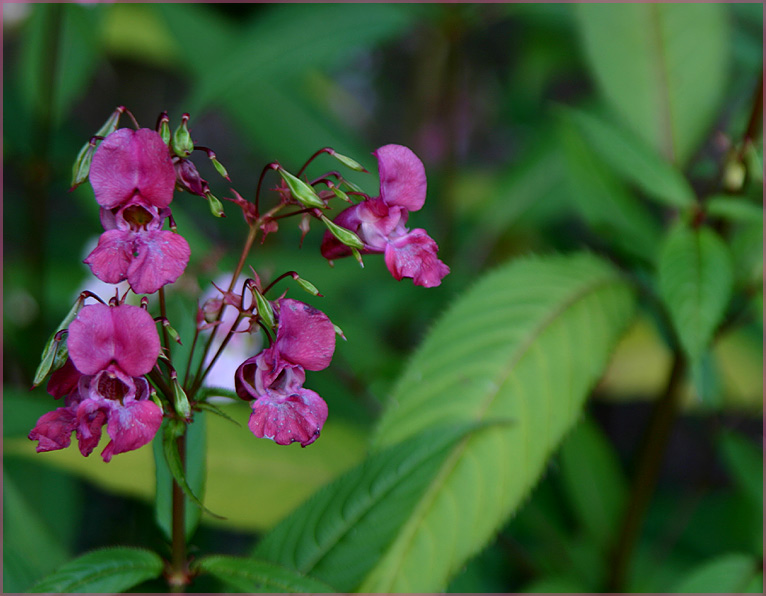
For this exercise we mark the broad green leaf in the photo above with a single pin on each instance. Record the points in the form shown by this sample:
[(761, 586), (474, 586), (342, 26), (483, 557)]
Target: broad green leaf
[(526, 344), (103, 570), (594, 483), (602, 199), (695, 282), (254, 575), (338, 534), (196, 467), (744, 461), (634, 159), (661, 67), (735, 209), (729, 573)]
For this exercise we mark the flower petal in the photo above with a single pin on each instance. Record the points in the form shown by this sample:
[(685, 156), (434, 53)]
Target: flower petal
[(132, 162), (305, 335), (109, 261), (402, 177), (125, 335), (414, 255), (91, 416), (64, 381), (161, 257), (54, 430), (131, 426), (287, 419)]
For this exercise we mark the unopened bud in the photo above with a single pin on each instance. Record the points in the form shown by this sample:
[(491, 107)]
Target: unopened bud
[(345, 235), (352, 186), (339, 332), (304, 193), (153, 396), (264, 309), (340, 194), (358, 257), (219, 166), (216, 207), (81, 167), (734, 175), (182, 143), (163, 127), (348, 162), (180, 401), (55, 352), (308, 286), (171, 331)]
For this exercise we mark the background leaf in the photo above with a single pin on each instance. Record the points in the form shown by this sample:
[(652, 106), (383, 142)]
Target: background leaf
[(253, 575), (633, 159), (595, 484), (730, 573), (695, 281), (103, 570), (525, 344), (661, 67)]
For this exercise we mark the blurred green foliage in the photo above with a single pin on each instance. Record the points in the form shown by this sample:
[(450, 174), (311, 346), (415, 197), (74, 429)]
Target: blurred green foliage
[(544, 128)]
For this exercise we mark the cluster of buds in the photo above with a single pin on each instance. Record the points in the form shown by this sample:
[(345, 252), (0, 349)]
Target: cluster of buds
[(104, 360)]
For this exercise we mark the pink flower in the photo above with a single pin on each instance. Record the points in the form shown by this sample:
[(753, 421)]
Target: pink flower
[(134, 247), (110, 348), (283, 410), (380, 222)]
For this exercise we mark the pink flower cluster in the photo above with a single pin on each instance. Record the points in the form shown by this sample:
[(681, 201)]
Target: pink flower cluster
[(110, 349), (283, 410), (380, 222), (133, 178)]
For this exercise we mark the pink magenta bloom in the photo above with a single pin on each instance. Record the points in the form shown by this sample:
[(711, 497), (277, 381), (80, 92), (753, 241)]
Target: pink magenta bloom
[(134, 247), (110, 349), (131, 164), (380, 222), (283, 410)]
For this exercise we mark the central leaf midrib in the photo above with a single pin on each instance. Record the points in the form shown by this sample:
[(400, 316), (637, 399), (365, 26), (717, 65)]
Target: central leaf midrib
[(450, 462)]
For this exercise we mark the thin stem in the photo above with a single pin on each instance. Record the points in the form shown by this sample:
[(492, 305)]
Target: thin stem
[(178, 565), (164, 315), (655, 441), (312, 158), (191, 355)]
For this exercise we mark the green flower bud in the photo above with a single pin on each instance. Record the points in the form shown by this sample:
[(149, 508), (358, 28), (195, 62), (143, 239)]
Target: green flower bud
[(264, 309), (180, 401), (300, 190), (182, 143), (55, 352), (348, 162), (216, 207), (308, 286), (219, 167), (81, 167), (340, 194), (346, 236)]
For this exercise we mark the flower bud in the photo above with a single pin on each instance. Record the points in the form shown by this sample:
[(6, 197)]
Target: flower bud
[(302, 192), (340, 194), (182, 143), (81, 167), (180, 401), (219, 166), (163, 127), (264, 309), (308, 286), (344, 235), (216, 207), (55, 352), (348, 162)]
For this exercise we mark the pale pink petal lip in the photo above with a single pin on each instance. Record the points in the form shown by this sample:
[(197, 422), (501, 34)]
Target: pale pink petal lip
[(160, 258), (305, 335), (298, 417)]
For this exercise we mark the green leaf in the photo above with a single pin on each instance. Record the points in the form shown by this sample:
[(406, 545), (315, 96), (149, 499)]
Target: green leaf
[(525, 344), (661, 67), (730, 573), (593, 481), (253, 575), (602, 199), (695, 281), (634, 160), (196, 472), (735, 209), (744, 461), (103, 570), (338, 534)]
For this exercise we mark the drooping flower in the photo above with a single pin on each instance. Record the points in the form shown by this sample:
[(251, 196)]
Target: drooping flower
[(380, 222), (283, 410), (110, 349), (135, 247)]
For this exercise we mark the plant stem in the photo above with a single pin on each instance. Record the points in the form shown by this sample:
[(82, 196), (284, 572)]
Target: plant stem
[(178, 577), (650, 459)]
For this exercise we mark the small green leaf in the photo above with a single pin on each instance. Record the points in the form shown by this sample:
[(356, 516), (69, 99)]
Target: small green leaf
[(595, 484), (253, 575), (734, 209), (302, 192), (54, 355), (103, 570), (695, 281), (173, 458), (634, 160), (730, 574)]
